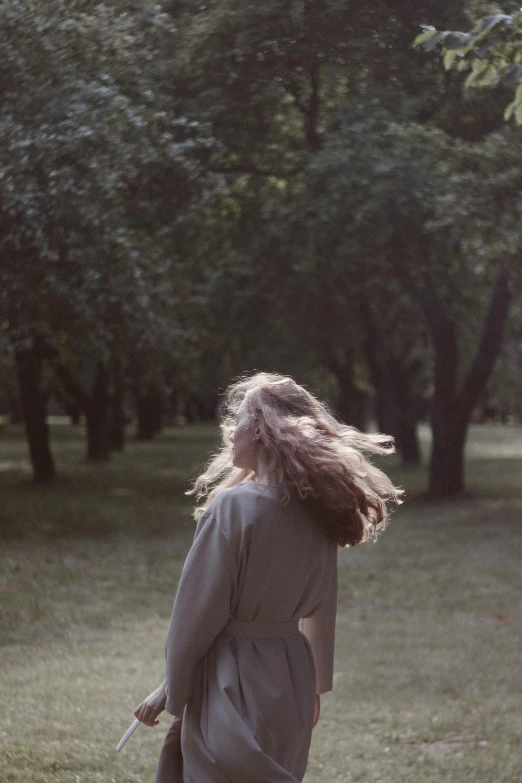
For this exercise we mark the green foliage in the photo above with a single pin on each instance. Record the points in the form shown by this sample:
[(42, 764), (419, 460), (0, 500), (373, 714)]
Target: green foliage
[(96, 169), (205, 188), (490, 54)]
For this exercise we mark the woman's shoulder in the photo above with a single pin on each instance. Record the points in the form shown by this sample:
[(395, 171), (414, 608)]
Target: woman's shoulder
[(231, 497), (248, 487)]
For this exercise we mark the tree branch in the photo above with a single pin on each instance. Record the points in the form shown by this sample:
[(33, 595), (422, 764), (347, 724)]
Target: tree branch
[(489, 345), (312, 134), (310, 108)]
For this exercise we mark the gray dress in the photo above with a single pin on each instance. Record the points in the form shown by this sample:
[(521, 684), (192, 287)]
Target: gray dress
[(250, 641)]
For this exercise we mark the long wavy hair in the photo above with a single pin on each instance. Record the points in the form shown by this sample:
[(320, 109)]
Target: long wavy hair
[(310, 453)]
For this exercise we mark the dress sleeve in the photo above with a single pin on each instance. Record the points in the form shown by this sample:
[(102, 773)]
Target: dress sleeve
[(201, 610), (319, 629)]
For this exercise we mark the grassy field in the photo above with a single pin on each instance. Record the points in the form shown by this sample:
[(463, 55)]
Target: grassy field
[(428, 683)]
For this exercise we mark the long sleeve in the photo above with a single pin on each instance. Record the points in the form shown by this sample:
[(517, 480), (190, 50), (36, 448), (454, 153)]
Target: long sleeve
[(201, 610), (319, 629)]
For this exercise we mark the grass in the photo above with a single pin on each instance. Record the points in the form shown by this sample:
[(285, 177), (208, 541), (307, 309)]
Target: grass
[(427, 682)]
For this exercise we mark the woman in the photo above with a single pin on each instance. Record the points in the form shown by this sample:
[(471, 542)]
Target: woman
[(250, 645)]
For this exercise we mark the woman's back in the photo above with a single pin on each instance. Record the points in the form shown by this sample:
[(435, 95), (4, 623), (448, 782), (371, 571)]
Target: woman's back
[(245, 676), (285, 561)]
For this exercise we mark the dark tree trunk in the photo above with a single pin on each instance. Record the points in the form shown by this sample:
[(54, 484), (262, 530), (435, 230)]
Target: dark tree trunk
[(34, 409), (16, 413), (198, 409), (393, 381), (117, 407), (176, 404), (207, 407), (96, 404), (309, 106), (352, 407), (97, 414), (150, 405), (447, 458), (352, 401), (401, 376), (408, 441), (74, 412), (192, 410), (452, 409), (385, 408)]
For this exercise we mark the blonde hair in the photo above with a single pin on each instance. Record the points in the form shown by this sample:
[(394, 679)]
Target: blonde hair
[(309, 453)]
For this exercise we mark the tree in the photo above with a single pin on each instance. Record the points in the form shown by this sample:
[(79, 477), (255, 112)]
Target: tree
[(489, 55), (88, 141)]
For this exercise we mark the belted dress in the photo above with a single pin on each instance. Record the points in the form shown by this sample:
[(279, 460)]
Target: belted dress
[(250, 641)]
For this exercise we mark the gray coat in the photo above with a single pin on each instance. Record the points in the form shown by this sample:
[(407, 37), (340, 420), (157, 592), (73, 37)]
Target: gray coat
[(243, 690)]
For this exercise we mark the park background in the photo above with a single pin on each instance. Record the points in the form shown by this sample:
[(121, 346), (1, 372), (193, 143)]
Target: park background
[(194, 190)]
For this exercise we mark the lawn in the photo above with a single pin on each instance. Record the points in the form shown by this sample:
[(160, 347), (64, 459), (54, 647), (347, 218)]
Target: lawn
[(427, 683)]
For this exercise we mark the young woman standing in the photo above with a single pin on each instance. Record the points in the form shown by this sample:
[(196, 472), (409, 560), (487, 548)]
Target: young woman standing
[(250, 645)]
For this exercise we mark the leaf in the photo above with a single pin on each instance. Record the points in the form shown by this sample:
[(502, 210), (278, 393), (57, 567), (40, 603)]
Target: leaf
[(489, 22), (518, 114), (513, 72), (487, 77), (518, 94), (457, 40), (477, 69), (428, 39), (449, 58), (463, 65), (432, 43), (509, 110), (482, 51)]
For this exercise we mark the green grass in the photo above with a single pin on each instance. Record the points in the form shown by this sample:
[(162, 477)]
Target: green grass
[(427, 682)]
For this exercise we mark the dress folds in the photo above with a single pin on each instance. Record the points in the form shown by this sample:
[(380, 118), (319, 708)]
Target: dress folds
[(250, 641)]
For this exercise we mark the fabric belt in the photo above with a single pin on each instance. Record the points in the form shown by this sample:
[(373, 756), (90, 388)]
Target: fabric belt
[(255, 630)]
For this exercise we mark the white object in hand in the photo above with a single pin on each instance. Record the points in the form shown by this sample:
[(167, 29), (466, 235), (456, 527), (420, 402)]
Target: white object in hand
[(132, 728)]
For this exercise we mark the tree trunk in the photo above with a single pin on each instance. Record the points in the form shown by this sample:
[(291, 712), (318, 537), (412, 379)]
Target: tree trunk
[(16, 413), (34, 410), (352, 407), (408, 440), (452, 410), (192, 410), (96, 404), (393, 381), (97, 414), (447, 458), (402, 384), (74, 412), (117, 407), (384, 408), (150, 406), (207, 407), (352, 401)]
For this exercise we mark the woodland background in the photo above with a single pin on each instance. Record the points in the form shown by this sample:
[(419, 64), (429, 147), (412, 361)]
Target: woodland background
[(192, 190)]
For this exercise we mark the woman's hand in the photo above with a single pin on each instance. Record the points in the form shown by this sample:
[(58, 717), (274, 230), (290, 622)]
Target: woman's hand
[(317, 709), (150, 708)]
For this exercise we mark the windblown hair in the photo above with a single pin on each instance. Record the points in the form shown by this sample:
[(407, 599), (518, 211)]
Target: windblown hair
[(309, 453)]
